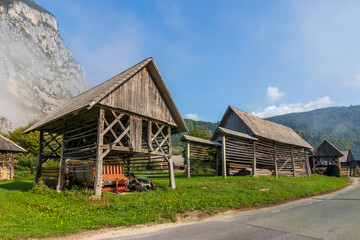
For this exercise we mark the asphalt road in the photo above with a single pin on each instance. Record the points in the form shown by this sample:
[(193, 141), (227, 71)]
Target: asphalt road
[(332, 216)]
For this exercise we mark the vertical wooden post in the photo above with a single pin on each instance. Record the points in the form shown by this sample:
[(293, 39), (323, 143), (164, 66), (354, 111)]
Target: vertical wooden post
[(2, 171), (171, 173), (293, 161), (217, 161), (275, 162), (223, 157), (254, 159), (313, 161), (99, 152), (39, 162), (339, 165), (149, 136), (62, 164), (11, 166), (171, 163), (188, 159), (307, 164)]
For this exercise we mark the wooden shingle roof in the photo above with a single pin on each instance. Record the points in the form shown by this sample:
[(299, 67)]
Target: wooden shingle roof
[(187, 138), (266, 129), (221, 130), (7, 146), (93, 96)]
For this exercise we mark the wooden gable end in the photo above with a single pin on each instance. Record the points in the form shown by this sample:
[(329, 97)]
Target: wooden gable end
[(141, 96), (233, 122), (326, 149)]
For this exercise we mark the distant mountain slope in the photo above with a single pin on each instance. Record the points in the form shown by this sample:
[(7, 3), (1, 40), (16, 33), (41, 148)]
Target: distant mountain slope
[(340, 125), (333, 121)]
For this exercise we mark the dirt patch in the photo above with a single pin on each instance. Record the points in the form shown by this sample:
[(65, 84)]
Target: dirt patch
[(191, 216)]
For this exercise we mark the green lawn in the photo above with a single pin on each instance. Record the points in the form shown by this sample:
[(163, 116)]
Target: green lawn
[(41, 212)]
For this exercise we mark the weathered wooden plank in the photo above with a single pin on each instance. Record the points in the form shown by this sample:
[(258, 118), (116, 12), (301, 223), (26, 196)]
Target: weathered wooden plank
[(99, 159), (254, 160), (223, 156), (40, 160), (62, 164)]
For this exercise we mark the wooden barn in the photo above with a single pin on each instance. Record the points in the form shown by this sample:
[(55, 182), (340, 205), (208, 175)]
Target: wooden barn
[(258, 146), (325, 154), (126, 120), (7, 150), (354, 161)]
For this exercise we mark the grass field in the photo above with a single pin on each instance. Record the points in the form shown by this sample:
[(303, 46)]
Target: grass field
[(41, 212)]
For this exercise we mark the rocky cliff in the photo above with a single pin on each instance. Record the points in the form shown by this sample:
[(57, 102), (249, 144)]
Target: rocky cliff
[(37, 70)]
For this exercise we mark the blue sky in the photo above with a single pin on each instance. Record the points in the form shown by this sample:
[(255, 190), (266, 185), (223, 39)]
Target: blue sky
[(263, 57)]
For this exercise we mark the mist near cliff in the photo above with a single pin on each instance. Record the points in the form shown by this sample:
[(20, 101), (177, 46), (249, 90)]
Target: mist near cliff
[(37, 71)]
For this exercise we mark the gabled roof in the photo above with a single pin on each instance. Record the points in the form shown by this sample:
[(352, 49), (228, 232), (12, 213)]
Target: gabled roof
[(345, 157), (326, 148), (8, 146), (93, 96), (267, 129), (355, 152), (187, 138), (221, 130)]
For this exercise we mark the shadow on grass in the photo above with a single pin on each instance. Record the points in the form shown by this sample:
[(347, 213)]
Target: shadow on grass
[(17, 185)]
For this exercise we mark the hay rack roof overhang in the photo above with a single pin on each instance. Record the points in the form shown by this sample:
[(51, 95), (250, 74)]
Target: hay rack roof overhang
[(128, 118)]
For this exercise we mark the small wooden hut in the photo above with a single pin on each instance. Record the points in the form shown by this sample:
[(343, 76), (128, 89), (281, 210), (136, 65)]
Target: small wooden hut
[(126, 120), (324, 155), (354, 161), (7, 150), (249, 143), (201, 153)]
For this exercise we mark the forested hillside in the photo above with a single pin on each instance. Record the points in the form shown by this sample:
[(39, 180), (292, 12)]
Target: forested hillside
[(197, 128), (340, 125)]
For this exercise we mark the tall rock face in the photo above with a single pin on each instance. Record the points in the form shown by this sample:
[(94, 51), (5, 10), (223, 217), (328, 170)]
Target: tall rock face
[(37, 71)]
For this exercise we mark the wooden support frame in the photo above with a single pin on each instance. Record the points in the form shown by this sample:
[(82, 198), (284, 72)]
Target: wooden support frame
[(99, 154), (293, 161), (224, 169), (40, 160), (188, 159), (254, 160), (171, 163), (308, 171), (61, 165), (275, 162)]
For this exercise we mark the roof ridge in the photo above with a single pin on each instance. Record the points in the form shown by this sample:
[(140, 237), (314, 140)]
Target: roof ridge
[(331, 144), (134, 69), (261, 118), (109, 79)]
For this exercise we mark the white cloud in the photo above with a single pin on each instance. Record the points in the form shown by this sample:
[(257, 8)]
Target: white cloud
[(273, 94), (293, 107), (192, 116)]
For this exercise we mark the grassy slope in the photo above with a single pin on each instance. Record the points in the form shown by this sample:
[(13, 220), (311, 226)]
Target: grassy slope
[(25, 213)]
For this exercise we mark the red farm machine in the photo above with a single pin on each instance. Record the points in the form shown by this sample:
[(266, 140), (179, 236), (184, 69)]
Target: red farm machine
[(115, 179)]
